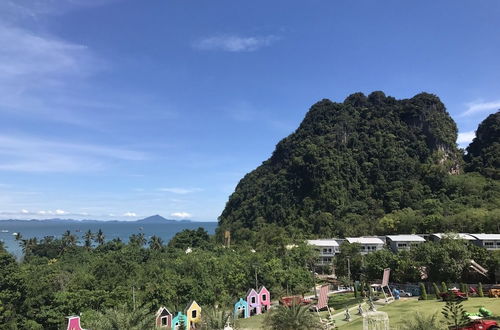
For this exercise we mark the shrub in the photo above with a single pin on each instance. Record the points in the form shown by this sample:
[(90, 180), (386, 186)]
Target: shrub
[(444, 287), (480, 291), (436, 290), (423, 322), (423, 292), (454, 314)]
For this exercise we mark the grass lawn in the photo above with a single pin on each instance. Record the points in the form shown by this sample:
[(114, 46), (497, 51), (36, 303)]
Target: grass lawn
[(399, 311), (402, 310)]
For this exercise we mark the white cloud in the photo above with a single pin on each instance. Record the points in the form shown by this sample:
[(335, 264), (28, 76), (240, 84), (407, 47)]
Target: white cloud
[(181, 215), (23, 211), (478, 107), (129, 214), (464, 138), (60, 212), (233, 43), (180, 191)]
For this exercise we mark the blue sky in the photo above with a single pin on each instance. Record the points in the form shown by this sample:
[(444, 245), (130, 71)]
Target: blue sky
[(116, 109)]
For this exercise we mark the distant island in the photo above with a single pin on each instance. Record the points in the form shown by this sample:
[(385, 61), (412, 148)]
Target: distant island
[(154, 219)]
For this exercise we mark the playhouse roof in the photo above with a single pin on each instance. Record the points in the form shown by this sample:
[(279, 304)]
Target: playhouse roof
[(190, 305), (161, 309), (250, 291), (262, 288)]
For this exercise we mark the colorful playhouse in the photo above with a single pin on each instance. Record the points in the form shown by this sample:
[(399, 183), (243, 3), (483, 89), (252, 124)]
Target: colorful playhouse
[(193, 314), (163, 318), (256, 302), (178, 320), (264, 298), (253, 302), (240, 309), (74, 323)]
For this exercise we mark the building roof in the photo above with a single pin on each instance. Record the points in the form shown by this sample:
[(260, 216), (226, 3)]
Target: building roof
[(323, 242), (365, 240), (487, 236), (160, 311), (460, 235), (406, 238)]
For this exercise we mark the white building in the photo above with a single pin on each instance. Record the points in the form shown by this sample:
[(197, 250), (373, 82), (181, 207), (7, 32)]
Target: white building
[(368, 244), (327, 249), (438, 237), (403, 242), (488, 241)]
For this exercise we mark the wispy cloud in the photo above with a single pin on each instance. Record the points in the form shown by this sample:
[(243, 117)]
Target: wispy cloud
[(464, 138), (129, 214), (31, 154), (180, 191), (480, 106), (234, 43), (181, 215)]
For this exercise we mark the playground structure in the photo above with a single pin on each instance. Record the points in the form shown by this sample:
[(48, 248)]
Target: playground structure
[(163, 318), (74, 323), (385, 286), (255, 303), (190, 318)]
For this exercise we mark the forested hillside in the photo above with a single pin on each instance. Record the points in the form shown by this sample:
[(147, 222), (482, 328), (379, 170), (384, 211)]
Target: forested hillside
[(372, 165)]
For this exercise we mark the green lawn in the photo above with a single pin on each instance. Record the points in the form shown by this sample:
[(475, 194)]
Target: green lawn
[(399, 311), (402, 310)]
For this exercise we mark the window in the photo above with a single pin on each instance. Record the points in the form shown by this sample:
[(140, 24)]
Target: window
[(401, 244), (253, 300), (193, 314), (488, 243), (164, 320), (264, 297)]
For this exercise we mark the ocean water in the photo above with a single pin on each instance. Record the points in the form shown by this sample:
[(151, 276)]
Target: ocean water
[(119, 229)]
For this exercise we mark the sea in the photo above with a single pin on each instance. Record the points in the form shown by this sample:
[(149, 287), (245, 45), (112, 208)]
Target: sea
[(111, 230)]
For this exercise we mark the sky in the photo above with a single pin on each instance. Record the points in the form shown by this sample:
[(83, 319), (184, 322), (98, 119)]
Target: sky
[(120, 109)]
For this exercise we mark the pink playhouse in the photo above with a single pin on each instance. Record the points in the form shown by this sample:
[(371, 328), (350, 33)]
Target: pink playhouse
[(74, 323), (265, 299), (253, 301)]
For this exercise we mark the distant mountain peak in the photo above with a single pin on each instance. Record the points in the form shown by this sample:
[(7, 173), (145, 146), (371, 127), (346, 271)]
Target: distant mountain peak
[(156, 219)]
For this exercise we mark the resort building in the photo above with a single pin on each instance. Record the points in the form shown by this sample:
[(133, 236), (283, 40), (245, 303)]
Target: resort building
[(403, 242), (438, 237), (487, 241), (327, 249), (367, 244)]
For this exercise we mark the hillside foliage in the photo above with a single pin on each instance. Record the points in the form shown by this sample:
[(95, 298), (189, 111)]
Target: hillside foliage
[(369, 165)]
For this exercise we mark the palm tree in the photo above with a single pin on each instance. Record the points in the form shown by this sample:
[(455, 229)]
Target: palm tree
[(215, 319), (99, 237), (88, 237), (138, 239), (296, 317), (122, 319), (27, 245), (68, 240), (18, 236), (155, 243)]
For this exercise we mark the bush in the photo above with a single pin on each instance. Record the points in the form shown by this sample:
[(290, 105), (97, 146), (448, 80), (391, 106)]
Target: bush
[(436, 290), (423, 322), (444, 287), (423, 292), (480, 291)]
